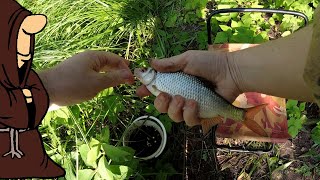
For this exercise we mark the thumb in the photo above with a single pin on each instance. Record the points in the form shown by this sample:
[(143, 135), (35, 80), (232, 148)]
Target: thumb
[(34, 23), (115, 78), (172, 64)]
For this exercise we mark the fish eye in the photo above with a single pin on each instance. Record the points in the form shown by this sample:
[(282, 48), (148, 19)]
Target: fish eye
[(143, 69)]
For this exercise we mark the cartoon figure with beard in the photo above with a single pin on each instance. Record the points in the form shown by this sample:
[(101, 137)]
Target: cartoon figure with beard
[(23, 98)]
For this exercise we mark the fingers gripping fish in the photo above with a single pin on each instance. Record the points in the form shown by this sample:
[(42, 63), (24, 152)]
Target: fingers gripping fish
[(212, 107)]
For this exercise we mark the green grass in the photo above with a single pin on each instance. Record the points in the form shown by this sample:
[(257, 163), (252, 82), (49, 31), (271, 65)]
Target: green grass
[(79, 137)]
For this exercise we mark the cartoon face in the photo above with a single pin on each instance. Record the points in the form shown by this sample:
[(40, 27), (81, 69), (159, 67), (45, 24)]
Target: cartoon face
[(31, 25)]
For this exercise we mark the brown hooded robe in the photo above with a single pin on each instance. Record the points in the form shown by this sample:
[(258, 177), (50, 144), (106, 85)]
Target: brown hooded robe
[(19, 120)]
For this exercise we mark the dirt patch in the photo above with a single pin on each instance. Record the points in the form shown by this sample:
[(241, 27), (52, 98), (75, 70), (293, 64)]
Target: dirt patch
[(295, 151), (197, 156)]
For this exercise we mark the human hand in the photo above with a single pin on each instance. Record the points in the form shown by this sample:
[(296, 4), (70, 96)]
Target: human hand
[(212, 66), (28, 95), (79, 78)]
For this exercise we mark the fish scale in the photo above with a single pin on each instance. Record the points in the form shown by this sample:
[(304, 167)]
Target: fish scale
[(190, 87)]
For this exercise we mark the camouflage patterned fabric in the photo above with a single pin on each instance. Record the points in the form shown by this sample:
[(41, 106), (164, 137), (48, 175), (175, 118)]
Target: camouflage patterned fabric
[(273, 118)]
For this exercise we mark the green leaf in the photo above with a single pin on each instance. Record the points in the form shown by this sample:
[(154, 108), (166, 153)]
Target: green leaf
[(106, 92), (132, 164), (120, 171), (105, 135), (294, 126), (202, 39), (222, 37), (70, 175), (272, 21), (115, 106), (291, 103), (293, 131), (103, 170), (315, 135), (61, 121), (201, 13), (235, 24), (234, 15), (223, 6), (168, 3), (167, 122), (223, 18), (117, 154), (127, 149), (283, 167), (286, 33), (93, 155), (177, 49), (256, 16), (305, 170), (246, 20), (260, 38), (152, 110), (97, 177), (47, 119), (256, 6), (84, 149), (272, 161), (225, 28), (86, 174), (241, 38), (302, 106), (94, 142), (62, 113), (75, 110), (172, 18)]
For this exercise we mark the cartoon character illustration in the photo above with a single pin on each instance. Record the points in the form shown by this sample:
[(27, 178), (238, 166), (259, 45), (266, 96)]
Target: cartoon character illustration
[(23, 98)]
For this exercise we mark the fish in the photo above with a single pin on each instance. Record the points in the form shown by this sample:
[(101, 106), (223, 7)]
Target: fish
[(213, 108)]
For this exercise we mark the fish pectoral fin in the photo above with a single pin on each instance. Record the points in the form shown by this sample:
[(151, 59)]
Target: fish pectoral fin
[(255, 127), (208, 123), (251, 112), (249, 120)]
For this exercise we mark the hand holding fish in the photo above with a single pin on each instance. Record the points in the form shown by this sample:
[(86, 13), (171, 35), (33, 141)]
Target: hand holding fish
[(211, 66), (262, 69), (187, 98)]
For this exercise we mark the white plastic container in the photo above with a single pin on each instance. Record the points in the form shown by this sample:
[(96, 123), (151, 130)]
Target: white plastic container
[(147, 121)]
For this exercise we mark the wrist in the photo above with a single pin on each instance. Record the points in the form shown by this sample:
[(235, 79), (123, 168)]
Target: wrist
[(234, 73), (226, 76)]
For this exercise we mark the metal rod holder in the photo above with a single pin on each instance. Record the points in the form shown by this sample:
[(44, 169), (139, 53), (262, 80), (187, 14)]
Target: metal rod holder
[(239, 10)]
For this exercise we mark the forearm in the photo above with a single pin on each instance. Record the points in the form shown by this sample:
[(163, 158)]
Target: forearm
[(43, 75), (274, 68), (312, 69)]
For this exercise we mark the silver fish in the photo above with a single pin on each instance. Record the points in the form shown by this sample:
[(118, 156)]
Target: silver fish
[(211, 105)]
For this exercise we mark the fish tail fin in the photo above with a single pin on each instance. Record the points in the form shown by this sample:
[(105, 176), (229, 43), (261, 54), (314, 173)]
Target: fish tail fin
[(208, 123), (249, 119)]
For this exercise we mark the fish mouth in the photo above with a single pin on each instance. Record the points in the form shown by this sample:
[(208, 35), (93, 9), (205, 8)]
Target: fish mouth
[(138, 72), (145, 75)]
